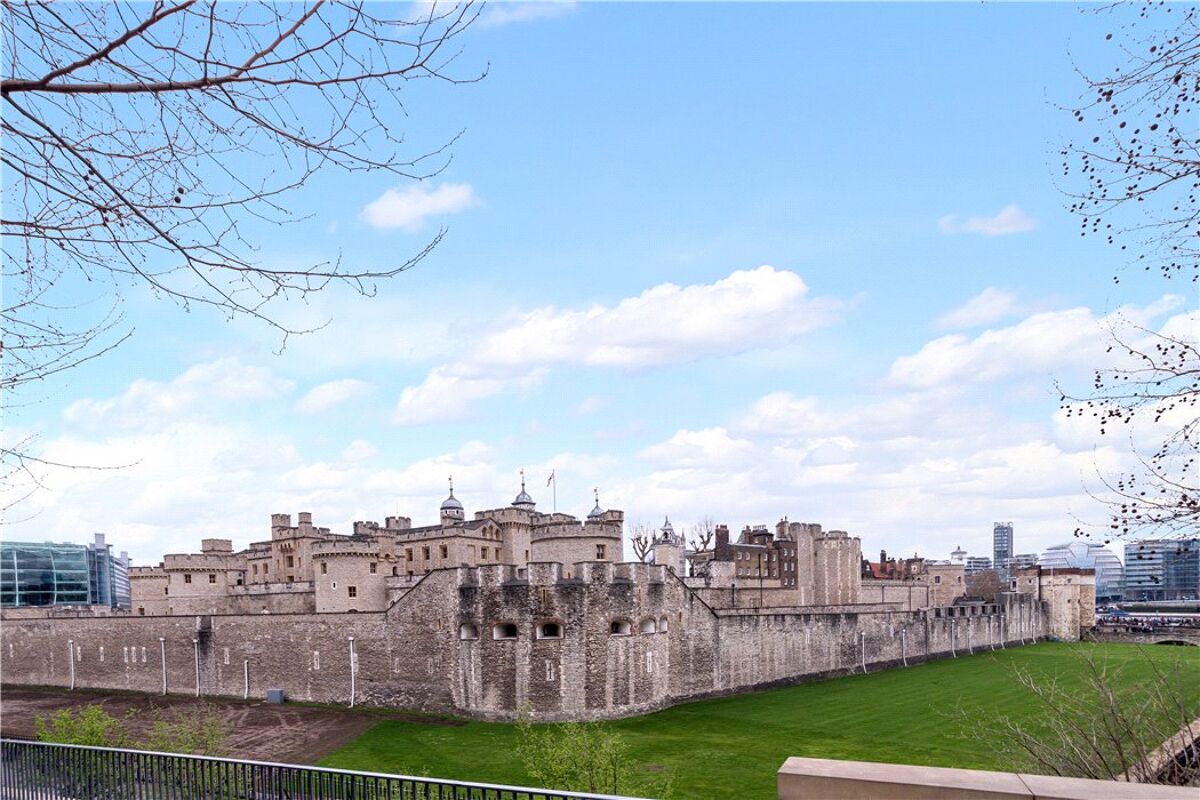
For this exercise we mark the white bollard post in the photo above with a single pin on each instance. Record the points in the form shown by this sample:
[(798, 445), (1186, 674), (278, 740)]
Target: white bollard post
[(71, 660), (353, 670), (245, 679), (162, 654), (196, 651), (904, 646)]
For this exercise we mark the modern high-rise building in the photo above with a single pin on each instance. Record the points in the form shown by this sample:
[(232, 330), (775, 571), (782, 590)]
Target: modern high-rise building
[(1085, 555), (977, 564), (1002, 544), (1020, 561), (1162, 569), (49, 574)]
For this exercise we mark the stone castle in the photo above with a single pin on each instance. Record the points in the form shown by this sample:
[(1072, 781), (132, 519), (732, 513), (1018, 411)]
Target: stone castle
[(519, 611)]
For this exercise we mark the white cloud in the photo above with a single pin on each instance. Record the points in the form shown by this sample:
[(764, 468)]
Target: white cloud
[(712, 446), (937, 477), (512, 11), (1039, 344), (446, 395), (409, 208), (359, 450), (667, 324), (331, 395), (590, 405), (987, 307), (146, 403), (1010, 219)]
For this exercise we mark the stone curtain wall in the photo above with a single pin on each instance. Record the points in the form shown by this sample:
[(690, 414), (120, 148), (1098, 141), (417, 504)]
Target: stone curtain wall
[(418, 654)]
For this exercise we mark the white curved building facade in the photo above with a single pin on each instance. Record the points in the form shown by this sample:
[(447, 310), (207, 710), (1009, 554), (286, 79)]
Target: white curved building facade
[(1084, 555)]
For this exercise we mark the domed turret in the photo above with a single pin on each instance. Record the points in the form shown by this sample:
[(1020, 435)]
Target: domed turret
[(523, 500), (452, 509), (597, 512)]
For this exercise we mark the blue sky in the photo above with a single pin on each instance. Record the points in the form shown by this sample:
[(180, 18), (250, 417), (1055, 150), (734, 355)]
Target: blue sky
[(738, 261)]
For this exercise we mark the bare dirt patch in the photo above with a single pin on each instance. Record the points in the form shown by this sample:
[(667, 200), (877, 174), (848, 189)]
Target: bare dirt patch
[(291, 734)]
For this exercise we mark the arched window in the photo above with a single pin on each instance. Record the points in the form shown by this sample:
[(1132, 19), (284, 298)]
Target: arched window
[(468, 631), (504, 630), (648, 626), (621, 627), (549, 630), (663, 625)]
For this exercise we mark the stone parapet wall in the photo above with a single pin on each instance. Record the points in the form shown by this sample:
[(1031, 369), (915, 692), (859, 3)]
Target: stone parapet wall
[(806, 778)]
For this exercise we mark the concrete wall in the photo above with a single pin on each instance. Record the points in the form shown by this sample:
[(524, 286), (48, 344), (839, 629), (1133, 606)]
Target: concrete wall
[(807, 778)]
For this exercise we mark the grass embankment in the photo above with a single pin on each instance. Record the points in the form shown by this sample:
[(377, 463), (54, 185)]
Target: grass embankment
[(937, 714)]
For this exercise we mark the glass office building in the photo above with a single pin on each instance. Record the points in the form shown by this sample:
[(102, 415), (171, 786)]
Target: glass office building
[(1162, 569), (50, 574), (1002, 545), (1086, 555)]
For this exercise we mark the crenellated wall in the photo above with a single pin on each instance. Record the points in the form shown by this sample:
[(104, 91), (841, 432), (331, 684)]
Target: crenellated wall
[(588, 641)]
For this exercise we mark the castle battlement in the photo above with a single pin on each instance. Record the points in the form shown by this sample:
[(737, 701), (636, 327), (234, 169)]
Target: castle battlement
[(346, 547), (199, 562)]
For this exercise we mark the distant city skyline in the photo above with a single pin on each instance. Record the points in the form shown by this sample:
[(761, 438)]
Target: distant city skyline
[(826, 275)]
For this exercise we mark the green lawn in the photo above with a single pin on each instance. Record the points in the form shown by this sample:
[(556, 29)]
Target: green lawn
[(732, 747)]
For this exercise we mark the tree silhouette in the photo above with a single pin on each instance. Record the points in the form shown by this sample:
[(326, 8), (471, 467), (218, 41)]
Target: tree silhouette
[(1133, 178), (140, 141)]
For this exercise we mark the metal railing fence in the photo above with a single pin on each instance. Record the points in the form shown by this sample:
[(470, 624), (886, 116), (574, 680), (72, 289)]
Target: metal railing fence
[(43, 771)]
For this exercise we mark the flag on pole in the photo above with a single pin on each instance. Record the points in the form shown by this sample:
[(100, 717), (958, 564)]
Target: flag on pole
[(550, 480)]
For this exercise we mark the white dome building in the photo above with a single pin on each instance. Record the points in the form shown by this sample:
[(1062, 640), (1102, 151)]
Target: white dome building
[(1084, 555)]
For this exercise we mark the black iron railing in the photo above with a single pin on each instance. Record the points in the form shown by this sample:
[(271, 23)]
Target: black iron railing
[(41, 771)]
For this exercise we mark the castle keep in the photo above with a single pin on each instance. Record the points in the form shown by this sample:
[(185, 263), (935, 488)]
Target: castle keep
[(517, 610)]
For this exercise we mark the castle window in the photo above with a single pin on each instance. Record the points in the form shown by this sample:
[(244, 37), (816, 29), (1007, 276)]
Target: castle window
[(425, 553), (937, 578), (648, 626), (483, 554), (395, 571), (254, 569), (468, 632), (212, 577), (291, 562), (187, 578), (141, 611), (504, 630), (549, 630), (324, 567), (373, 567), (408, 553), (663, 625), (166, 590), (352, 591), (445, 551), (600, 552), (266, 568), (471, 551), (291, 578), (621, 627)]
